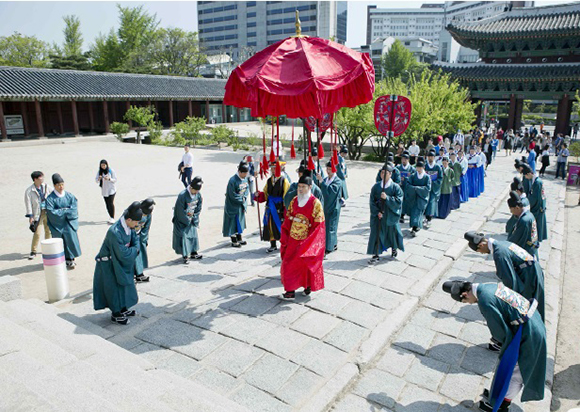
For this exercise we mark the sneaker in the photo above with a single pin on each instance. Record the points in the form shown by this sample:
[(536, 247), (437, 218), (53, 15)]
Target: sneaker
[(335, 248), (271, 249), (374, 260), (236, 244), (70, 264), (121, 320), (141, 278), (128, 313), (290, 296), (414, 232), (242, 242), (494, 346), (32, 255), (486, 406), (111, 221), (306, 291), (394, 253), (195, 256), (342, 203)]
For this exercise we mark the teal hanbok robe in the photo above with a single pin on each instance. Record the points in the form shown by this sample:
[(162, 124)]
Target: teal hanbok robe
[(520, 271), (113, 282), (331, 192), (293, 192), (500, 306), (435, 172), (417, 197), (63, 221), (524, 232), (342, 172), (509, 226), (235, 207), (185, 222), (142, 230), (390, 231), (537, 200), (405, 173)]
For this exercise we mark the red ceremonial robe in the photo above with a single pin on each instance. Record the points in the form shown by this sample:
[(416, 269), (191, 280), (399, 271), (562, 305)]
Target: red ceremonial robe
[(302, 246)]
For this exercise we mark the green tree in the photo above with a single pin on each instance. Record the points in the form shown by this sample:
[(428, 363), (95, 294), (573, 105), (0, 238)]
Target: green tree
[(176, 52), (189, 130), (73, 39), (119, 129), (77, 62), (23, 51), (399, 62), (142, 116)]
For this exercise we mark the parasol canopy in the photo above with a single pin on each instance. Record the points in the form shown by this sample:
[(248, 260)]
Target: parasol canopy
[(301, 76)]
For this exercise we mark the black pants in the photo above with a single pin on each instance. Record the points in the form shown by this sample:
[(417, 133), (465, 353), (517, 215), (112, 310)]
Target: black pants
[(186, 176), (543, 169), (110, 202)]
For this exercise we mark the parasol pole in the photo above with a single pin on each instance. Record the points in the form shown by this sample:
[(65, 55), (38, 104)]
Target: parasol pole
[(390, 135), (318, 142)]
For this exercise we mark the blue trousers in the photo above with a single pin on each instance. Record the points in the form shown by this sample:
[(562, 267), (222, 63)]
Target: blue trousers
[(186, 176), (561, 167)]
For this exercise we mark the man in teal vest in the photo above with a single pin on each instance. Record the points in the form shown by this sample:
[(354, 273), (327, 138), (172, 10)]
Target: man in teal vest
[(113, 282), (516, 324), (522, 230), (535, 192), (331, 188), (236, 205), (142, 230), (186, 221), (386, 202)]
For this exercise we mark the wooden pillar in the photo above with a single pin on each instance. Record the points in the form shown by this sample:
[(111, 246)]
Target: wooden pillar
[(75, 117), (189, 108), (224, 113), (106, 116), (59, 115), (477, 111), (3, 131), (39, 119), (518, 115), (207, 111), (512, 113), (91, 117), (127, 107), (563, 116), (24, 111), (238, 112), (170, 113)]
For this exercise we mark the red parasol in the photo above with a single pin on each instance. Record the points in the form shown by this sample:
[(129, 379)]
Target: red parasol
[(300, 77)]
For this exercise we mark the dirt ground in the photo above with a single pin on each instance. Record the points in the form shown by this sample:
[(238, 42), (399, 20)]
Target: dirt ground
[(566, 389)]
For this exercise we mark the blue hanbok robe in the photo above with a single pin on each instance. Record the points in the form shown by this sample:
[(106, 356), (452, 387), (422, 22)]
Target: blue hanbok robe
[(481, 171), (501, 306), (519, 270), (537, 199), (509, 226), (113, 282), (331, 190), (435, 172), (63, 221), (456, 187), (417, 192), (532, 160), (342, 172), (464, 195), (473, 175), (235, 206), (390, 231), (523, 231), (185, 223), (446, 191), (142, 230), (293, 192), (405, 173)]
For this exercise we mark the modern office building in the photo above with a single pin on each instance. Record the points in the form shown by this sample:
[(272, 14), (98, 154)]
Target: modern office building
[(240, 28), (429, 22)]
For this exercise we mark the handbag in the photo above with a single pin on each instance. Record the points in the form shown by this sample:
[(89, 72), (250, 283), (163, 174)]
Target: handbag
[(34, 225)]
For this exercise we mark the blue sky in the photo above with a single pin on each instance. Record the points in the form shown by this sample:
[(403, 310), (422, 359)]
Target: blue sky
[(44, 19)]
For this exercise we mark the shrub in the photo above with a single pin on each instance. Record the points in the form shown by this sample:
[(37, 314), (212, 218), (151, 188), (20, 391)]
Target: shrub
[(575, 149), (155, 130), (221, 134), (189, 130), (119, 129)]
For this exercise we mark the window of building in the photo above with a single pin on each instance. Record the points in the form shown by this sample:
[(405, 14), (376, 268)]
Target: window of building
[(252, 34), (251, 14), (250, 3), (251, 24), (252, 43)]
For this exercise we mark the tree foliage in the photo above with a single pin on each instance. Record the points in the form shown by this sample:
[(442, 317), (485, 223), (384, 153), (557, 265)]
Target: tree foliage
[(142, 116), (119, 129), (400, 62), (189, 130), (439, 105), (23, 51), (73, 39), (176, 52)]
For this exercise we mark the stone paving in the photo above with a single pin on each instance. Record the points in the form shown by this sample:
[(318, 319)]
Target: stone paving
[(218, 321), (439, 361)]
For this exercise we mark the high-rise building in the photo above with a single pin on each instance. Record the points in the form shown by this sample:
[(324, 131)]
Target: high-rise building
[(244, 27), (429, 22)]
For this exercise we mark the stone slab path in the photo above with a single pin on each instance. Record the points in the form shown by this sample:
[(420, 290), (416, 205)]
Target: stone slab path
[(218, 321), (439, 361)]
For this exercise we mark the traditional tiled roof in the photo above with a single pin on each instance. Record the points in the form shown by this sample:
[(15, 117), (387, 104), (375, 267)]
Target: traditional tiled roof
[(17, 83), (533, 23), (514, 72)]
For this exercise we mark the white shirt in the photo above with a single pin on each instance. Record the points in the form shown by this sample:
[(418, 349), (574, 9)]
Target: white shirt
[(60, 194), (414, 150), (108, 188), (459, 138), (421, 175), (187, 159), (387, 184), (329, 179), (125, 227)]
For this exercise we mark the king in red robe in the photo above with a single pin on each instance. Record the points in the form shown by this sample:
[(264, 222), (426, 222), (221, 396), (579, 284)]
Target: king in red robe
[(303, 242)]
